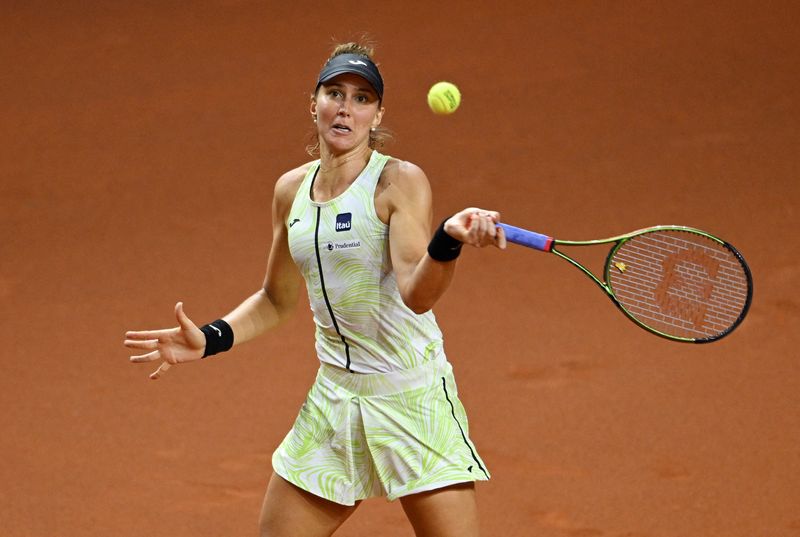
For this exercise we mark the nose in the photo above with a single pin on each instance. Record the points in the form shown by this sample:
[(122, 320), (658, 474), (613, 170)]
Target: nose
[(344, 108)]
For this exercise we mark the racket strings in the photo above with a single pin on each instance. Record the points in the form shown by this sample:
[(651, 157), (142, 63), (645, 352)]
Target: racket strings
[(680, 283)]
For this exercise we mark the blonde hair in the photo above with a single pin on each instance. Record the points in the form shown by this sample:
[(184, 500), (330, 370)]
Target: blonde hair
[(378, 137), (352, 48)]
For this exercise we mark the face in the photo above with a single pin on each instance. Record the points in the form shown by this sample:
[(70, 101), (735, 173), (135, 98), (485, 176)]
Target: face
[(346, 108)]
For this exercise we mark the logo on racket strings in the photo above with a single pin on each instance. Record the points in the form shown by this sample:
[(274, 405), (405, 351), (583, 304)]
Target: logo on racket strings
[(689, 280)]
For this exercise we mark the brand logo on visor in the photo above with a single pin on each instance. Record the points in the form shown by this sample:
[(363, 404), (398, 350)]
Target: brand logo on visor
[(356, 62)]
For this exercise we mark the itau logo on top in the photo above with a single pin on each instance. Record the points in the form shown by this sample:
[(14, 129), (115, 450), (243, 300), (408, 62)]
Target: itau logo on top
[(344, 221)]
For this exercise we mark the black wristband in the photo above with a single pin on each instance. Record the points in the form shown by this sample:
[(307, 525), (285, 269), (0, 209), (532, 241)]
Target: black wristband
[(219, 337), (443, 247)]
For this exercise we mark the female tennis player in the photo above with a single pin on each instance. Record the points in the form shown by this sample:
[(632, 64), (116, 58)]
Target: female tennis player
[(383, 417)]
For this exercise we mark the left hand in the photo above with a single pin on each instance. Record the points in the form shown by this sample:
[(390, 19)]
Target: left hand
[(185, 343), (477, 227)]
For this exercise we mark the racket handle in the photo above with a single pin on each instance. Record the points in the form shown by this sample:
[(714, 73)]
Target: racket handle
[(523, 237)]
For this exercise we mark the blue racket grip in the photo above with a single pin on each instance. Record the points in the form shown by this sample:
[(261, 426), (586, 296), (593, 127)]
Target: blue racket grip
[(523, 237)]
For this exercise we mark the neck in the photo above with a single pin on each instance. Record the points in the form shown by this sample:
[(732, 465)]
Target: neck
[(337, 172), (334, 166)]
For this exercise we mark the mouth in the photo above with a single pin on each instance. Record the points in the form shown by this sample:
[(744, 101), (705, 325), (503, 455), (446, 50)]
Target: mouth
[(339, 127)]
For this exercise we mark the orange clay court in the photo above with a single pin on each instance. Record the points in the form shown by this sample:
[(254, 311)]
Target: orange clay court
[(140, 143)]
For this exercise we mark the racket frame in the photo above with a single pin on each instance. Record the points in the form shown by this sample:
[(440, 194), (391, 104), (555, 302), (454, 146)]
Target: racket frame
[(549, 244)]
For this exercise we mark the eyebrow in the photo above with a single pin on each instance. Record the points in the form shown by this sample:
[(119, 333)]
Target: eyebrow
[(366, 88)]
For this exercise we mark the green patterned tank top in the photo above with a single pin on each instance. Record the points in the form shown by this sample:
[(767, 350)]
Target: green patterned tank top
[(342, 250)]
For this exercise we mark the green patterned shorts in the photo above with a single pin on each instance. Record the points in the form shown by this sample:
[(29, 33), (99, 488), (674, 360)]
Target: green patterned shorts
[(386, 434)]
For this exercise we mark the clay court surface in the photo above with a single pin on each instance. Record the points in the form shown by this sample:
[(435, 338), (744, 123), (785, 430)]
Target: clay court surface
[(140, 142)]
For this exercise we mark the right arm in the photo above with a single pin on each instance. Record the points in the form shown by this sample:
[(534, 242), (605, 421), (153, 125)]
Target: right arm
[(277, 298), (263, 310)]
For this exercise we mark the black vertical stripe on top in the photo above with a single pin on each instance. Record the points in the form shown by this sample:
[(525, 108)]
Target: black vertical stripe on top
[(322, 279), (464, 436)]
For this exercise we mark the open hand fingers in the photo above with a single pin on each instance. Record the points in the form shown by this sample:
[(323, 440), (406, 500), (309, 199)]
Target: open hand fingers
[(144, 345), (140, 335), (183, 319), (155, 375), (144, 358), (183, 343), (141, 344)]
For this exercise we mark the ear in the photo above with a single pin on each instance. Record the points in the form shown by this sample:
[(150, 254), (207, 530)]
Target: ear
[(313, 105), (378, 117)]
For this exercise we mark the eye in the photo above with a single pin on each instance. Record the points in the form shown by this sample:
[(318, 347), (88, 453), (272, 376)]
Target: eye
[(362, 98)]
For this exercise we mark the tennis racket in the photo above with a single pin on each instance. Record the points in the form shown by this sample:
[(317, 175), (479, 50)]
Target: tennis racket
[(677, 282)]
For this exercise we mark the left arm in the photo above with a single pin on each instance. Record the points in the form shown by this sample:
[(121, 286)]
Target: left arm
[(421, 279)]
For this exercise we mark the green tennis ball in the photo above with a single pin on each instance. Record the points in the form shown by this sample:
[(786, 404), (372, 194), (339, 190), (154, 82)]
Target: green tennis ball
[(444, 98)]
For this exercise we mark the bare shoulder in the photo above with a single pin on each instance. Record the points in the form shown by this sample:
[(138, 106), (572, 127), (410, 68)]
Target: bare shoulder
[(402, 173), (287, 184), (401, 177), (402, 183)]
